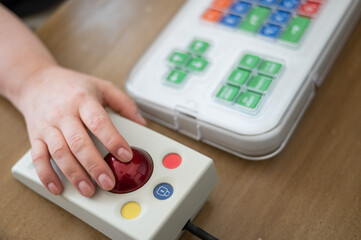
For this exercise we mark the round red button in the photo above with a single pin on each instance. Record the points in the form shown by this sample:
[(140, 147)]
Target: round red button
[(172, 161), (132, 175)]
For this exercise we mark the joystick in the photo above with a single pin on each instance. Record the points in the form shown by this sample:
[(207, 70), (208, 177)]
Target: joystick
[(130, 176)]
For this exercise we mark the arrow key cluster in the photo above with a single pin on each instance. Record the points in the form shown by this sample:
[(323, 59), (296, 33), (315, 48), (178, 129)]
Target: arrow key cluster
[(185, 63)]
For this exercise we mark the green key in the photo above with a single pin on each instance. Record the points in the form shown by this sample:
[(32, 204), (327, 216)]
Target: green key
[(270, 68), (260, 83), (199, 47), (295, 29), (249, 61), (179, 58), (197, 64), (227, 93), (176, 76), (255, 19), (249, 99), (239, 76)]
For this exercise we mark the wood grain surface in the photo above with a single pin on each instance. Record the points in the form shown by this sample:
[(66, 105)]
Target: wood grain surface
[(311, 190)]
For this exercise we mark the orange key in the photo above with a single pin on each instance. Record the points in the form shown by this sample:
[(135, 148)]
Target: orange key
[(221, 4), (212, 15)]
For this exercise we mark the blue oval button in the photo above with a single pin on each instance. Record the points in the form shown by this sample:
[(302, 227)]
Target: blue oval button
[(163, 191)]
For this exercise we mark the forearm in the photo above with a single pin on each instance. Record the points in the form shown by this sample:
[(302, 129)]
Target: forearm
[(21, 55)]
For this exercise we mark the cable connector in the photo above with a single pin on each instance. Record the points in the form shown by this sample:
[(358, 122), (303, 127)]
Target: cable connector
[(197, 231)]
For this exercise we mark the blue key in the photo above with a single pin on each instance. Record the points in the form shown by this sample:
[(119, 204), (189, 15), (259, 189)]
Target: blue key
[(289, 4), (280, 17), (268, 2), (231, 20), (240, 7), (270, 30)]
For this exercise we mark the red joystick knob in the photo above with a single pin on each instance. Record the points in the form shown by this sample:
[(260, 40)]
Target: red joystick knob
[(131, 175)]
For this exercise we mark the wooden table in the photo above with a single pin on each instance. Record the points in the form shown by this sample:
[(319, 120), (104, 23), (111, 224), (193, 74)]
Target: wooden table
[(311, 190)]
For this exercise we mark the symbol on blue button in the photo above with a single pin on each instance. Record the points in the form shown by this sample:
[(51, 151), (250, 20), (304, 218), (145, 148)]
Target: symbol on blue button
[(280, 17), (270, 30), (163, 191), (240, 7), (231, 20), (268, 2), (289, 4)]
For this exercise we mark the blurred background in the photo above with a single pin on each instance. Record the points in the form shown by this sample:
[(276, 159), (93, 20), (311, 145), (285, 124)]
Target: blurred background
[(33, 12)]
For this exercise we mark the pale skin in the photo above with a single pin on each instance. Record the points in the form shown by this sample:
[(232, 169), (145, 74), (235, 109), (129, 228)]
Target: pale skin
[(59, 105)]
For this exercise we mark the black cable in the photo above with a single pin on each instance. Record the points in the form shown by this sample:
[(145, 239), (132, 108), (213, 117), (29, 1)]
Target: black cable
[(197, 231)]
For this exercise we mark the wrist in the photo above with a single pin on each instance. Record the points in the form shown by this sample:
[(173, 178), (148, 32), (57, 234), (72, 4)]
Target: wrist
[(18, 89)]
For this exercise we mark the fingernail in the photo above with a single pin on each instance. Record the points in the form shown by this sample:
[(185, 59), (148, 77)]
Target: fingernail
[(124, 154), (85, 188), (53, 188), (105, 181), (141, 119)]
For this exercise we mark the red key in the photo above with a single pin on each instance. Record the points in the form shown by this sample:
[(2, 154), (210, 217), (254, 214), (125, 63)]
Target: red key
[(309, 8), (316, 1)]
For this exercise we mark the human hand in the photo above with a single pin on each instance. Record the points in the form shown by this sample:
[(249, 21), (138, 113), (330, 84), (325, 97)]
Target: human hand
[(58, 105)]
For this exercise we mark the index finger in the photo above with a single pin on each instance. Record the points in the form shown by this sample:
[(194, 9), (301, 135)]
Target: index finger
[(98, 122)]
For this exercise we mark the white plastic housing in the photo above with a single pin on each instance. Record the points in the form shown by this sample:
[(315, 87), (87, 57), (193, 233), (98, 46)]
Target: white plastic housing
[(193, 111), (192, 182)]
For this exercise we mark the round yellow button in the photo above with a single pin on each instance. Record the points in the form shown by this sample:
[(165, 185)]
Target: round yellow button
[(130, 210)]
